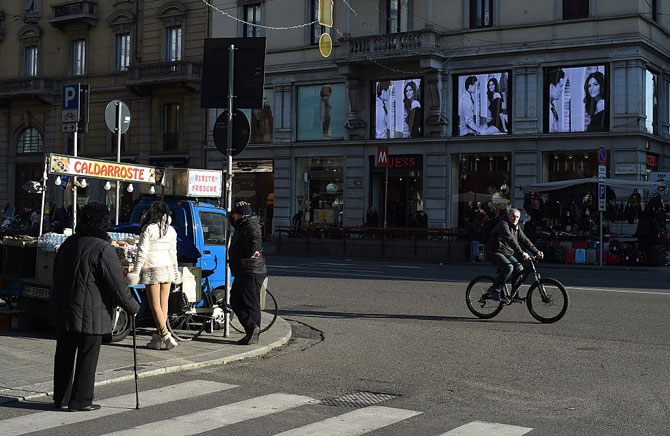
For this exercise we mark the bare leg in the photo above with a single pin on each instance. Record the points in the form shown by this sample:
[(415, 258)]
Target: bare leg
[(154, 296), (165, 296)]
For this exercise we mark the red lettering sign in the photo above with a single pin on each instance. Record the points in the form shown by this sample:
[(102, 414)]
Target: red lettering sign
[(652, 160)]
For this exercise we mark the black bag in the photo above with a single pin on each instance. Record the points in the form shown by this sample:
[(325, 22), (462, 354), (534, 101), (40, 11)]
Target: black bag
[(486, 228)]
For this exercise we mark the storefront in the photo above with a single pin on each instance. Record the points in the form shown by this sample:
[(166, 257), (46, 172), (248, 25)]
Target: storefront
[(319, 190), (483, 187), (404, 190), (253, 182)]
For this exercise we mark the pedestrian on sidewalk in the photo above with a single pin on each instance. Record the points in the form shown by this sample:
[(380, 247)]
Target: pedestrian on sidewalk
[(156, 268), (247, 264), (88, 280)]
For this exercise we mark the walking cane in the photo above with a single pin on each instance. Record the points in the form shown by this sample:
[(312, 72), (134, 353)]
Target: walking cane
[(137, 380)]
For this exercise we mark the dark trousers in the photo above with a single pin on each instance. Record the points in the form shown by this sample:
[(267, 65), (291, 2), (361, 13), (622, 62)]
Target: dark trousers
[(508, 266), (245, 299), (86, 349)]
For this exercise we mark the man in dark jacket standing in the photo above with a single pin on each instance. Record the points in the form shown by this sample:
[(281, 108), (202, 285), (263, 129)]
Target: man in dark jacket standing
[(247, 265), (88, 281), (505, 242)]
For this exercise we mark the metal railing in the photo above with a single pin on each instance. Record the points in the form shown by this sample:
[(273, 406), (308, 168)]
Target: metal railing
[(165, 71), (406, 43)]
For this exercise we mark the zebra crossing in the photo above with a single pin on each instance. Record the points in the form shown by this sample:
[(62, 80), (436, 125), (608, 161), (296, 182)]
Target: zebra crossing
[(356, 422)]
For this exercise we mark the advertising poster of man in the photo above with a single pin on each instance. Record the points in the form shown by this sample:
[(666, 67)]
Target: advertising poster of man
[(321, 112), (576, 99), (398, 109), (483, 106)]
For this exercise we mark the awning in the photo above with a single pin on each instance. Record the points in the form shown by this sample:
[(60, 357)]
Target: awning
[(616, 183)]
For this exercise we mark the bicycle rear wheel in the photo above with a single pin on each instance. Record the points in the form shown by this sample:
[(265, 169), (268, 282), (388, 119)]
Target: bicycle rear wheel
[(547, 300), (478, 300), (269, 312)]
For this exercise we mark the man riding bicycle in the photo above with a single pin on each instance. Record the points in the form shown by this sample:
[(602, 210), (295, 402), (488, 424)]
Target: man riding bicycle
[(506, 241)]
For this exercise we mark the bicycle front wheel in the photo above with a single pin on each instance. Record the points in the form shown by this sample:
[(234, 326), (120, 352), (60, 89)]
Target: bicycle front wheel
[(187, 325), (269, 312), (477, 298), (547, 300)]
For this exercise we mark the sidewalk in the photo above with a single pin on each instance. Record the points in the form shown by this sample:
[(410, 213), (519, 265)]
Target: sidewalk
[(26, 357)]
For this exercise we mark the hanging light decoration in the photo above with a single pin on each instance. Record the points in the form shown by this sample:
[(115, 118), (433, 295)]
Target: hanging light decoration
[(108, 185), (130, 187), (152, 190), (83, 183), (57, 182)]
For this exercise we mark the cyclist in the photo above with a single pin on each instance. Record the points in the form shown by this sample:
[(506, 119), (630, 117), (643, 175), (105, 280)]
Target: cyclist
[(506, 241)]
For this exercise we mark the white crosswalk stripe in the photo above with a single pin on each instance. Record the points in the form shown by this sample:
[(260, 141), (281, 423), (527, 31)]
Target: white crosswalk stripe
[(46, 420), (212, 419), (354, 423), (478, 428)]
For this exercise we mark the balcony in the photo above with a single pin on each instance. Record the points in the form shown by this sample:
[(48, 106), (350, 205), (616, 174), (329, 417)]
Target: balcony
[(72, 13), (186, 74), (392, 46), (40, 88)]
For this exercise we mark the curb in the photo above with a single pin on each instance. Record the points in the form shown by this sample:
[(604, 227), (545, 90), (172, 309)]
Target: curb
[(126, 373)]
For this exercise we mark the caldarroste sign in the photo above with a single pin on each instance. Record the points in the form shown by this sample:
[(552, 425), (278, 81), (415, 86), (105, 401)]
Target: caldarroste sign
[(100, 169)]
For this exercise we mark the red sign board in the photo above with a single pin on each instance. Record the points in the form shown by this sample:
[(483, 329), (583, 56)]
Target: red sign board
[(382, 157), (652, 160), (602, 155)]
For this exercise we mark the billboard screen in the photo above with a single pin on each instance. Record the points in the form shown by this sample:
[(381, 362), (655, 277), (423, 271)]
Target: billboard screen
[(482, 104), (398, 109)]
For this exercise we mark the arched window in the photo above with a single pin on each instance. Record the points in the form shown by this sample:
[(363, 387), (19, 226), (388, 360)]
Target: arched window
[(30, 141)]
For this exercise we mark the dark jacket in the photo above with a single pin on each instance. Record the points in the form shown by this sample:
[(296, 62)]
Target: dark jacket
[(88, 282), (507, 240), (246, 240)]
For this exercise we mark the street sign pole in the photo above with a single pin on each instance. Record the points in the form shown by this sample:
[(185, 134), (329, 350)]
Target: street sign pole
[(118, 155), (74, 186), (229, 180)]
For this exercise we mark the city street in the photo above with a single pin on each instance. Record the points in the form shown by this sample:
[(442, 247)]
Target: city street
[(402, 333)]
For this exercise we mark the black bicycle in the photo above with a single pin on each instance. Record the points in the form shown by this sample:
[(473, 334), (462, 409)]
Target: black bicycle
[(188, 320), (547, 299)]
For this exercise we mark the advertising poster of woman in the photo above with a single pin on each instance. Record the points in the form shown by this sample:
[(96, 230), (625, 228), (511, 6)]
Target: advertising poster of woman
[(483, 104), (576, 99), (398, 109)]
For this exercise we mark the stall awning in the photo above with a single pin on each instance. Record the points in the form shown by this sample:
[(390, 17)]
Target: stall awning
[(616, 183)]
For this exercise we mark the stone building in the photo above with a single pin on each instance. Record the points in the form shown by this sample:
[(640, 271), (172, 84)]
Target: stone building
[(462, 93), (146, 53)]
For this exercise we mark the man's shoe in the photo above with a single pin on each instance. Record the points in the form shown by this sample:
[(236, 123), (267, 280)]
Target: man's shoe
[(89, 408), (518, 299), (493, 294), (60, 406), (251, 338)]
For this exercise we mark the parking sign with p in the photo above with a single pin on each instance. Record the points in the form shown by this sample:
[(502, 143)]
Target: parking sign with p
[(70, 104)]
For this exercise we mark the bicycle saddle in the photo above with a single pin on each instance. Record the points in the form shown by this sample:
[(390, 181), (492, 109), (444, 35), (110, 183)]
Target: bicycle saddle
[(207, 272)]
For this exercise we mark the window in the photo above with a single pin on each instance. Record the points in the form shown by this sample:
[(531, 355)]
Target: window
[(213, 228), (171, 114), (78, 57), (252, 14), (173, 47), (31, 61), (30, 141), (653, 4), (651, 103), (574, 9), (317, 29), (31, 6), (481, 13), (397, 16), (122, 51)]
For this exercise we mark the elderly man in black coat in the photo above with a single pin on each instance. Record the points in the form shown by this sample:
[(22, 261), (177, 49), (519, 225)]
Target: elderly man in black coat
[(88, 281), (248, 266)]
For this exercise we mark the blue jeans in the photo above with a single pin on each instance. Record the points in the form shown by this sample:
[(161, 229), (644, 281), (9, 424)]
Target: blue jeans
[(508, 266)]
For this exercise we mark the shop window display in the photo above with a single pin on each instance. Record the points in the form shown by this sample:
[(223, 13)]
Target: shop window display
[(321, 112), (261, 121), (483, 188), (319, 191)]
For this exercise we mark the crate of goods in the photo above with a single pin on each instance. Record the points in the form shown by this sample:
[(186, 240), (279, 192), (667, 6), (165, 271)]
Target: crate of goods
[(604, 254), (614, 259), (591, 258), (570, 255), (580, 255), (559, 254), (566, 244)]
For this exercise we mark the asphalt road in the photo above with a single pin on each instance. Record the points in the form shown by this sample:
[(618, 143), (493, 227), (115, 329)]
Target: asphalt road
[(402, 329)]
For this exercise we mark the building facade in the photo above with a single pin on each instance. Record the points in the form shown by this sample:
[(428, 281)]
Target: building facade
[(146, 53), (468, 99)]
